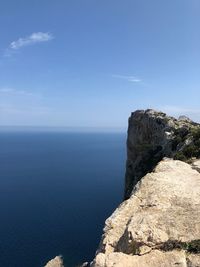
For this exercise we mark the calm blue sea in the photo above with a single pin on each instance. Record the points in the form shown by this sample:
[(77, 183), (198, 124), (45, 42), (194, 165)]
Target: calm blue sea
[(56, 190)]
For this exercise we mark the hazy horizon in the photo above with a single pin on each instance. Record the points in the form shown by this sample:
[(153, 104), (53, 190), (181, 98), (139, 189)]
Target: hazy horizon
[(34, 128)]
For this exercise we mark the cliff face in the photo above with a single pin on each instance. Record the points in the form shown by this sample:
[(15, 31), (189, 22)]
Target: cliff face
[(159, 225), (159, 222), (151, 136)]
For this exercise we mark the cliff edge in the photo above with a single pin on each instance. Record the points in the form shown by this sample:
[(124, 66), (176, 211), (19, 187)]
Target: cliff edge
[(159, 225), (152, 135)]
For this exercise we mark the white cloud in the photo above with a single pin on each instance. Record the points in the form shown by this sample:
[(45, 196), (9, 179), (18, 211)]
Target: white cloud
[(127, 78), (12, 91), (36, 37)]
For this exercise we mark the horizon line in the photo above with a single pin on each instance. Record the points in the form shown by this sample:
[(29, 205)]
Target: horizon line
[(62, 128)]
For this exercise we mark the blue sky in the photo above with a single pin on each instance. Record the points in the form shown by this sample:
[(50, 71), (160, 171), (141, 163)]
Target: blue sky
[(86, 63)]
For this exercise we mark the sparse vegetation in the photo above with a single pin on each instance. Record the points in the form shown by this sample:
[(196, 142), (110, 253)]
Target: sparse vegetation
[(191, 247), (180, 156), (188, 151), (196, 133)]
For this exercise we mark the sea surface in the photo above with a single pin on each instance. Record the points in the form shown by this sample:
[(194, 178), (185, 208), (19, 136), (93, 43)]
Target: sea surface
[(56, 190)]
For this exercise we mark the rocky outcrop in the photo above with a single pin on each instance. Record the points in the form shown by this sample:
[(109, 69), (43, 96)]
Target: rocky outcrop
[(159, 225), (153, 135), (56, 262)]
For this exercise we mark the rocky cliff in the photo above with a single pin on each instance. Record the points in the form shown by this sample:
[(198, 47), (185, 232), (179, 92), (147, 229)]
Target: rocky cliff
[(158, 224), (152, 136)]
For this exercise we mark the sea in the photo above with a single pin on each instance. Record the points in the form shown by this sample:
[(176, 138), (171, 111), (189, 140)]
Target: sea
[(56, 190)]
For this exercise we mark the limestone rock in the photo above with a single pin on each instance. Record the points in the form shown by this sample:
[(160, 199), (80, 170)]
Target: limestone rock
[(153, 135), (56, 262), (193, 260), (153, 259), (159, 225)]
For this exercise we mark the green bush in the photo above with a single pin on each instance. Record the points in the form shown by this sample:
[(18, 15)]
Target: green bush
[(190, 151), (196, 133), (194, 246)]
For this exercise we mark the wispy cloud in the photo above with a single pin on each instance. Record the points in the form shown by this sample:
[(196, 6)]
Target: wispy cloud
[(12, 91), (34, 38), (133, 79)]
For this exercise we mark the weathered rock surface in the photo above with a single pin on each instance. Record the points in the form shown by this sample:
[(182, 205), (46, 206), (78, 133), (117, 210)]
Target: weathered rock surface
[(56, 262), (159, 225), (154, 259), (153, 135), (196, 165)]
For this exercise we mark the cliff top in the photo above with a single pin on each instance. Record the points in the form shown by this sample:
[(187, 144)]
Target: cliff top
[(152, 135)]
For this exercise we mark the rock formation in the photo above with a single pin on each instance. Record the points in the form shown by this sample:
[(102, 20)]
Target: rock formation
[(159, 222), (159, 225), (56, 262), (151, 136)]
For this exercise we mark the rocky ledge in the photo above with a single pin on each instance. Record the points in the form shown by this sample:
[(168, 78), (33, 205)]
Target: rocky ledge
[(159, 225)]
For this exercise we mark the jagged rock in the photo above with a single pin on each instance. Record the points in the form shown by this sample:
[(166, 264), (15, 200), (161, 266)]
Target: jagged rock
[(159, 225), (153, 135), (56, 262)]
